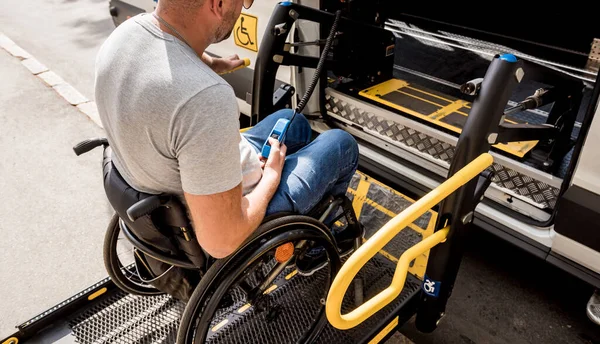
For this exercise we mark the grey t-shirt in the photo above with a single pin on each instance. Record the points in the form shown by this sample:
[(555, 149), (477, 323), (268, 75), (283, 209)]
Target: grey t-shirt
[(172, 122)]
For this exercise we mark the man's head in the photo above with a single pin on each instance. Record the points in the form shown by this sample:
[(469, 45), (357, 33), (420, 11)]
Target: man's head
[(213, 18), (230, 16)]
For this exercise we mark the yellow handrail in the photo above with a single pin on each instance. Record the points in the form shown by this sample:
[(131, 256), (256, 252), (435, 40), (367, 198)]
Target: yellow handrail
[(366, 251)]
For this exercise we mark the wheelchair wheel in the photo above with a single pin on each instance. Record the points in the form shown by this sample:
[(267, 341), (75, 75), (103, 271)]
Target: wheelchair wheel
[(119, 262), (230, 306)]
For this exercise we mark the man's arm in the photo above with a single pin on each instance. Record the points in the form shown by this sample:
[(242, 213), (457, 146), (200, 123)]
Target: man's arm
[(221, 65), (222, 221)]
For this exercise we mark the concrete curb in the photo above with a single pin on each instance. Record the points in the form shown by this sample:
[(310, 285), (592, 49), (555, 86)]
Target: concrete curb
[(53, 80)]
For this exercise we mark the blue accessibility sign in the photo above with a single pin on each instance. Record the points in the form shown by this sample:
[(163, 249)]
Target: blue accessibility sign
[(431, 287)]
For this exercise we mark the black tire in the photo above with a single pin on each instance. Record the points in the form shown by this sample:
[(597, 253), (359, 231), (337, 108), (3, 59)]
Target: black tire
[(208, 295), (114, 267)]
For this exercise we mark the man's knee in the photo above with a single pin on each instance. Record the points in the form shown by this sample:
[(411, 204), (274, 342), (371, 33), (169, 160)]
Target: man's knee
[(347, 143)]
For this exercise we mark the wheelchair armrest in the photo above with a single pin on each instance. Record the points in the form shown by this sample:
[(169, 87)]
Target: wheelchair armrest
[(145, 207)]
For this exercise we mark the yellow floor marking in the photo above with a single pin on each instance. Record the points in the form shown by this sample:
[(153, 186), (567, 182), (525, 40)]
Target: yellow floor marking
[(420, 263), (392, 325), (360, 196), (387, 87), (448, 109), (271, 288), (97, 293), (409, 111), (244, 308), (219, 325), (421, 99), (428, 93), (389, 213), (386, 254), (375, 93), (291, 274), (416, 228)]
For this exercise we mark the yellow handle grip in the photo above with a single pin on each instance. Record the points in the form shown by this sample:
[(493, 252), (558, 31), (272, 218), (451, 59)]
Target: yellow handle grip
[(359, 258), (246, 64)]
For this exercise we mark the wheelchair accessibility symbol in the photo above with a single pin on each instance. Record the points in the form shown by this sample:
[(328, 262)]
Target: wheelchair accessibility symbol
[(431, 287), (245, 32)]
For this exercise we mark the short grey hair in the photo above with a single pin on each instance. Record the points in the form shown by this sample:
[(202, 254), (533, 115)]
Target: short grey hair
[(178, 5)]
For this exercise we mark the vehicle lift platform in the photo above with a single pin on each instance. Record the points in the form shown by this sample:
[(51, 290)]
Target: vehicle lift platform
[(105, 314)]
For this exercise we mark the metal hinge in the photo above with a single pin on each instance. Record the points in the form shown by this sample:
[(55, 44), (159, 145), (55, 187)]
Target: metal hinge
[(593, 62)]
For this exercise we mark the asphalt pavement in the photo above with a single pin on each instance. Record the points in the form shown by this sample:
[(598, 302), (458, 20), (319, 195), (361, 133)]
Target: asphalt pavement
[(505, 295), (64, 35), (55, 212)]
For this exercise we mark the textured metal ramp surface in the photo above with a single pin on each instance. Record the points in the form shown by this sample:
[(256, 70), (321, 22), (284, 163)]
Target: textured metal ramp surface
[(514, 182), (435, 107), (123, 318)]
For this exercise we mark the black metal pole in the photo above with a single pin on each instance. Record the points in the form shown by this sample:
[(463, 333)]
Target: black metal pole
[(266, 67), (480, 131), (272, 54)]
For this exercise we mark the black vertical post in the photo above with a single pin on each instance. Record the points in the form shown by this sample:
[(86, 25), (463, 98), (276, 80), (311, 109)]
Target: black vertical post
[(271, 53), (502, 76), (265, 69), (564, 114)]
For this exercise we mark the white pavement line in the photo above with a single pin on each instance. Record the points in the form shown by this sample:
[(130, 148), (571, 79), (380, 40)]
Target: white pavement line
[(10, 46), (51, 78), (34, 66), (58, 84), (91, 111), (70, 94)]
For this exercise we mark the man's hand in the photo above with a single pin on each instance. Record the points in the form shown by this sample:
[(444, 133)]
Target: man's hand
[(222, 65), (274, 164)]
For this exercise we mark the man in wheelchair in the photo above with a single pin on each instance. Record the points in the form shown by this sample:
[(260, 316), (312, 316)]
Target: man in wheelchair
[(173, 125)]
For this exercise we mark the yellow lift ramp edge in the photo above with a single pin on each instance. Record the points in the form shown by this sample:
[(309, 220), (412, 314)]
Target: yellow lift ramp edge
[(434, 107), (374, 244)]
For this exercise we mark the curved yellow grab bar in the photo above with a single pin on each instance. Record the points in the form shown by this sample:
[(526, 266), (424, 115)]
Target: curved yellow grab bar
[(359, 258)]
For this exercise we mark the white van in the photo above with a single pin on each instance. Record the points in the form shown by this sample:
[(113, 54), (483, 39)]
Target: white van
[(545, 197)]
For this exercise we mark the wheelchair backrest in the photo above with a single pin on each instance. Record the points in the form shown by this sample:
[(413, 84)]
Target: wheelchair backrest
[(158, 229)]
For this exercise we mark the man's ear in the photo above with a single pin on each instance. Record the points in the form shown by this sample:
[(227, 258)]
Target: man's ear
[(216, 6)]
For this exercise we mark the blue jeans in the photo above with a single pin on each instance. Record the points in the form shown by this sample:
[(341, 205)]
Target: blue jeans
[(312, 169)]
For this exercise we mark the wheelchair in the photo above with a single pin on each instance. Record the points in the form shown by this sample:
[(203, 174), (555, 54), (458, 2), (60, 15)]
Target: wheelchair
[(259, 277)]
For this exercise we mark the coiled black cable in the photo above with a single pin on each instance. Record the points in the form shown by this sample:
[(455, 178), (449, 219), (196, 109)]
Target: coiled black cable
[(319, 69)]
